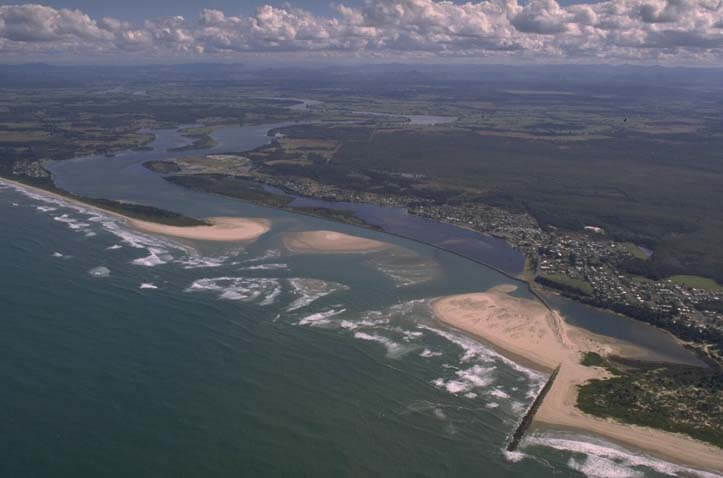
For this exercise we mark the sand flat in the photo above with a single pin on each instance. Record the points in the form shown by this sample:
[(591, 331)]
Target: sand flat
[(226, 229), (320, 242), (514, 325), (526, 329)]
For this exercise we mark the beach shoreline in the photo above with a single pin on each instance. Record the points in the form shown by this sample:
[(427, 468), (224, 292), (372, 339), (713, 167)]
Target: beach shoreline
[(557, 346), (525, 329), (219, 229)]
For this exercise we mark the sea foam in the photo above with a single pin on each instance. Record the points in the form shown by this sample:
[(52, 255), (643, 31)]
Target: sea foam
[(311, 290), (394, 349), (244, 289), (99, 271), (321, 319), (598, 458)]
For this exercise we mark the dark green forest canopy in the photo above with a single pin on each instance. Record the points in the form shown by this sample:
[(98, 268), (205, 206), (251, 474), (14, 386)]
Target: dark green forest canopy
[(637, 151), (667, 194)]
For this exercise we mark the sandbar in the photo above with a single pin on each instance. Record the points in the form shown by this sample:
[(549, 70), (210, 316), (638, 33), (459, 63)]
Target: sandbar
[(320, 242), (527, 331), (226, 229), (230, 229)]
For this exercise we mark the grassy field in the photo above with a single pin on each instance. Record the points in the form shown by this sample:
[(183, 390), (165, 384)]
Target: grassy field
[(636, 251), (566, 283), (696, 282)]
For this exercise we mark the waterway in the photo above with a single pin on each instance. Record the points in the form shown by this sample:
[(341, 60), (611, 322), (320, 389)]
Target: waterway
[(128, 354)]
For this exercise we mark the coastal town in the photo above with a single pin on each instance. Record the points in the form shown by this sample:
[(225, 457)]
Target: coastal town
[(582, 265), (429, 238)]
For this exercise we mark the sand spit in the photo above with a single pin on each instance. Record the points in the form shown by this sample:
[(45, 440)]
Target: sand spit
[(517, 326), (526, 330), (320, 242), (228, 229)]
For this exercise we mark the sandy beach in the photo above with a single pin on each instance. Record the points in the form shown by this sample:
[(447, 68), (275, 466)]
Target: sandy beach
[(228, 229), (320, 242), (526, 330), (231, 229)]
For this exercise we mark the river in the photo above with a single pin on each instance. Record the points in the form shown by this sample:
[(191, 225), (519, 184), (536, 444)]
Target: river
[(127, 354)]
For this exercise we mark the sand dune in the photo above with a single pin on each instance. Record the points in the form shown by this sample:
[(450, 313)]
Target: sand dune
[(320, 242), (230, 229), (528, 331)]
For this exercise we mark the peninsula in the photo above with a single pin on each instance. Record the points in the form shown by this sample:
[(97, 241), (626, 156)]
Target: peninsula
[(527, 331)]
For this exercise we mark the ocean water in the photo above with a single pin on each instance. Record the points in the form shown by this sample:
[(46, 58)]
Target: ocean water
[(126, 354)]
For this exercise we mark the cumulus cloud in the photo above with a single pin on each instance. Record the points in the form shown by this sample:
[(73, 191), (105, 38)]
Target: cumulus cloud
[(538, 30)]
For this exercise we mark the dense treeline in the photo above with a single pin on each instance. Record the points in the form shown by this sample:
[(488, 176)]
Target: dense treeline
[(132, 210), (676, 398), (144, 213), (231, 186), (600, 182)]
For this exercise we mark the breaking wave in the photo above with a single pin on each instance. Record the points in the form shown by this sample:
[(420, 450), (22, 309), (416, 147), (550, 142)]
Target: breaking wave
[(474, 377), (265, 267), (311, 290), (394, 349), (244, 289), (321, 319), (599, 459), (99, 271)]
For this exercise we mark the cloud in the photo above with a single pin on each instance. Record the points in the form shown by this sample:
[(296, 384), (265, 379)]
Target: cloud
[(536, 30), (541, 16)]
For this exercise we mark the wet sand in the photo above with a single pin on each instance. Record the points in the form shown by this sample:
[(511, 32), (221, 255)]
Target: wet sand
[(231, 229), (320, 242), (527, 330), (226, 229)]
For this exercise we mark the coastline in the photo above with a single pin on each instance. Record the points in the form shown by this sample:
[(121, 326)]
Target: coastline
[(219, 229), (559, 408), (522, 328), (62, 197)]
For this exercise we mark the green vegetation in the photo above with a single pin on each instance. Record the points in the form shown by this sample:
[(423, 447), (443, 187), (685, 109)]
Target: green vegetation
[(696, 282), (231, 186), (676, 398), (132, 210), (344, 216), (568, 284), (635, 251), (546, 180), (201, 137), (143, 213), (162, 167), (592, 359)]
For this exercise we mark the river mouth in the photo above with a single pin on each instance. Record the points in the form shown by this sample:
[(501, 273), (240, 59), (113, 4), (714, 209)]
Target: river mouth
[(234, 345), (123, 177)]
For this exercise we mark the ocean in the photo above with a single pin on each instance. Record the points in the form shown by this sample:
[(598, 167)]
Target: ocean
[(128, 354)]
